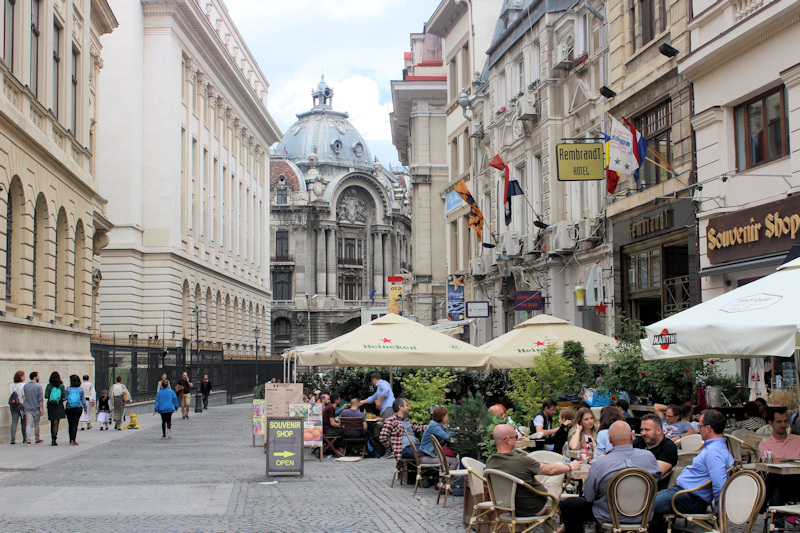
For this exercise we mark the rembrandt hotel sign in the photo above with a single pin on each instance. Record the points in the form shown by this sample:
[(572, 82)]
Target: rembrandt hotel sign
[(580, 161), (764, 230)]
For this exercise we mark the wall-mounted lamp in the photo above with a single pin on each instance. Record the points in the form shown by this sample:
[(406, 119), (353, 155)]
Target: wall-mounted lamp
[(488, 245), (52, 321), (541, 225), (2, 313), (667, 50), (580, 296), (29, 317), (72, 324), (608, 93), (724, 178), (89, 328), (465, 101)]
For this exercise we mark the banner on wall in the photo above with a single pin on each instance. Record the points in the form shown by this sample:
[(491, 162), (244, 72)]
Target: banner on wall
[(456, 309)]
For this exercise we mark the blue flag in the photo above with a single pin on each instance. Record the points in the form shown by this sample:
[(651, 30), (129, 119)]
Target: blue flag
[(372, 296)]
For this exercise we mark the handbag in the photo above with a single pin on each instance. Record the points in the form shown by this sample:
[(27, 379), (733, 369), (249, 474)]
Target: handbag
[(126, 396), (449, 452)]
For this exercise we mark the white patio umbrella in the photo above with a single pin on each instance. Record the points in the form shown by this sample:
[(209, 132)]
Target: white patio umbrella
[(760, 319), (517, 347)]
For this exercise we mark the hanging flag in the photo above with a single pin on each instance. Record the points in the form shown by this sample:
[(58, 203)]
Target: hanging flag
[(372, 296), (475, 215), (612, 178), (640, 150), (510, 187), (620, 149)]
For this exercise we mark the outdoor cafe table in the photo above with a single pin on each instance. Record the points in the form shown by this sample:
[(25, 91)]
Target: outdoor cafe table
[(784, 469)]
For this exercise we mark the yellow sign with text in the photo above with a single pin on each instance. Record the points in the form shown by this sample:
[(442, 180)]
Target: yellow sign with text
[(580, 161), (395, 299)]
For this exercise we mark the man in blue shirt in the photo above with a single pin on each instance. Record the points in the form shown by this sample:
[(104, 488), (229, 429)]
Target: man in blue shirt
[(383, 396), (712, 463)]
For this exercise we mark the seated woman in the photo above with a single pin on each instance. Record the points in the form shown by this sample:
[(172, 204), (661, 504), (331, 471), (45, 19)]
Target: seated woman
[(752, 414), (608, 415), (434, 430), (584, 431)]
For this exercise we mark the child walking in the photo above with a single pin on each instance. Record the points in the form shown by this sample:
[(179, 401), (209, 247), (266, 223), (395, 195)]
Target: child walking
[(103, 411)]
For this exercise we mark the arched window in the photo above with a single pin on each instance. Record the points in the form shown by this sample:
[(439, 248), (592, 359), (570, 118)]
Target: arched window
[(40, 227), (14, 212), (81, 289), (61, 261), (283, 329), (187, 310)]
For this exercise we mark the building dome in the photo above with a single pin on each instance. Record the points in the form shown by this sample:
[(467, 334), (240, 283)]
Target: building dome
[(326, 133)]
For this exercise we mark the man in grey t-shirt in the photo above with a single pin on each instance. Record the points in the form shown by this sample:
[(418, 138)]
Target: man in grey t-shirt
[(34, 405)]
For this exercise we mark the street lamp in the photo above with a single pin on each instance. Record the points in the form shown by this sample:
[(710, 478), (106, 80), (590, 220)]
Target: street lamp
[(198, 399), (256, 333), (308, 315), (504, 266)]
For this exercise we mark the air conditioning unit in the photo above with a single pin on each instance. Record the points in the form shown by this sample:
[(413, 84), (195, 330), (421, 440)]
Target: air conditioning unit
[(529, 244), (477, 266), (511, 243), (528, 109), (564, 57), (563, 237), (588, 230)]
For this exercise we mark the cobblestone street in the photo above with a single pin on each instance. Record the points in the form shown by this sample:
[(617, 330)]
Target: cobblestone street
[(205, 479)]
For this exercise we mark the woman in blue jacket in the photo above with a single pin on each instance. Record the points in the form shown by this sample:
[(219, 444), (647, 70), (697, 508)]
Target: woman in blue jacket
[(434, 430), (166, 404)]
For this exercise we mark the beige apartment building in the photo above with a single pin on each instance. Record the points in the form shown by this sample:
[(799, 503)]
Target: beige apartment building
[(54, 220), (418, 132), (186, 175)]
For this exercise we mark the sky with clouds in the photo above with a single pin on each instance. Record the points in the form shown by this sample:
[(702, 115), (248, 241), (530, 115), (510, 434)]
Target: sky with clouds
[(357, 44)]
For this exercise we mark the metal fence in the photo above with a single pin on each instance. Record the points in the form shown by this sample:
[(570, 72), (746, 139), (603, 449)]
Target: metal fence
[(141, 368)]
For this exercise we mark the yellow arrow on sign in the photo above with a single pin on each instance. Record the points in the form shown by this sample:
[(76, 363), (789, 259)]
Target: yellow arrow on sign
[(283, 454)]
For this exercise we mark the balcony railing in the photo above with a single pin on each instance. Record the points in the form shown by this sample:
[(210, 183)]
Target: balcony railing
[(351, 261), (676, 291), (282, 259)]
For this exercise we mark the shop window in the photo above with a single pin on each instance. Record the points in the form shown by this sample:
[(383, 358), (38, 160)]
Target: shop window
[(656, 126), (762, 132), (644, 270)]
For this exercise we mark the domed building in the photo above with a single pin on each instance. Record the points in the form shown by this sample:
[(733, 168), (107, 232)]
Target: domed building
[(341, 224)]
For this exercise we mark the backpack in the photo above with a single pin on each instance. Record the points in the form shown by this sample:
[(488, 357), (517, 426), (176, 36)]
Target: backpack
[(13, 401), (73, 398), (55, 396)]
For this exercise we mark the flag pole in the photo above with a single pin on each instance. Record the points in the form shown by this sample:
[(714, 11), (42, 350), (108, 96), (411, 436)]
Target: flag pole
[(658, 156), (659, 165)]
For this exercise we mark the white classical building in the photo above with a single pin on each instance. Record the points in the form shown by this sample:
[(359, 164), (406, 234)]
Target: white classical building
[(185, 173), (340, 224), (52, 218)]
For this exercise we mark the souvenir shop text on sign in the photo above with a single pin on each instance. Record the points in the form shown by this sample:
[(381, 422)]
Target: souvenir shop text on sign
[(763, 230)]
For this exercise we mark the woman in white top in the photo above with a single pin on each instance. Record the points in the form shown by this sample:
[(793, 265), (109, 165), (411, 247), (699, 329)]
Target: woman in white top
[(17, 413), (117, 396), (584, 431)]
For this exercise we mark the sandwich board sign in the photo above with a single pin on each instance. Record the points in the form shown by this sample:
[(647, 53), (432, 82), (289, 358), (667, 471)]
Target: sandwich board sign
[(285, 445)]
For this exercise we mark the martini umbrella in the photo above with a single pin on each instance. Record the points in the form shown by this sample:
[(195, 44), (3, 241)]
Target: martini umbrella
[(518, 346), (759, 319), (393, 340)]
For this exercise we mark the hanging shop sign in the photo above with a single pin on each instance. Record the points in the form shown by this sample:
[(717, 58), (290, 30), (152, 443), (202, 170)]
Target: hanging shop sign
[(285, 445), (580, 161), (528, 301), (759, 231), (455, 296), (477, 309), (452, 202), (396, 299)]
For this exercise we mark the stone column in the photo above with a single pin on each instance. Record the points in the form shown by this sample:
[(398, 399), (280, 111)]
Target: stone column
[(321, 264), (377, 261), (332, 263), (387, 261)]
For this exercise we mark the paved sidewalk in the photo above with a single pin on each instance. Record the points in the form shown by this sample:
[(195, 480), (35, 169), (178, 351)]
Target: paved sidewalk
[(205, 479)]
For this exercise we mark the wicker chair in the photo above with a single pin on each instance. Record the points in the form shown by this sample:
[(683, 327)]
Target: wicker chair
[(630, 493), (503, 492), (416, 463), (742, 452), (690, 443), (445, 473), (740, 500), (545, 457), (686, 458), (706, 521), (482, 506)]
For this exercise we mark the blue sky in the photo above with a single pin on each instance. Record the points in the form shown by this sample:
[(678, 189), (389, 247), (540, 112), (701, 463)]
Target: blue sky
[(357, 44)]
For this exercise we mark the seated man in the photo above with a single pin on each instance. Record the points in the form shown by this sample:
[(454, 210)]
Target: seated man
[(783, 445), (674, 427), (653, 440), (351, 411), (712, 463), (593, 504), (526, 468), (392, 435), (543, 421), (330, 426), (623, 406)]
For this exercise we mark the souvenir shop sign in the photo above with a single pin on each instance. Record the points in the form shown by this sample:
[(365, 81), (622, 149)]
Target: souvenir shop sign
[(285, 445), (763, 230)]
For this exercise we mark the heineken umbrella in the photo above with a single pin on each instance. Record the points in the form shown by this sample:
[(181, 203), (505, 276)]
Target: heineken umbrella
[(759, 319), (392, 340), (517, 347)]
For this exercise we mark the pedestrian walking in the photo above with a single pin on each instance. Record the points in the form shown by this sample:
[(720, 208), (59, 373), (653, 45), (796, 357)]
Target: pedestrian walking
[(119, 396), (161, 383), (76, 404), (54, 393), (34, 407), (205, 389), (103, 410), (91, 399), (184, 394), (16, 404), (166, 404)]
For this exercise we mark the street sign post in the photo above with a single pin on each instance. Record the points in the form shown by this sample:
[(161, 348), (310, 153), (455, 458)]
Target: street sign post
[(285, 445)]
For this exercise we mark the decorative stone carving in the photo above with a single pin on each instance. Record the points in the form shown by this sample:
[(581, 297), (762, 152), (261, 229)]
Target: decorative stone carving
[(350, 208), (312, 161)]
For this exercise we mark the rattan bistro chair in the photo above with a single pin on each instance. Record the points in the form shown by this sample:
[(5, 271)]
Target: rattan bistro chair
[(416, 463), (706, 521), (445, 473), (503, 492), (741, 499), (630, 493), (482, 506), (690, 443)]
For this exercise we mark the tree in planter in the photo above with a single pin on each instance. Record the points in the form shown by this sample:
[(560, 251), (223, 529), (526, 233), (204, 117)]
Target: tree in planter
[(424, 389), (574, 353), (467, 423), (547, 376)]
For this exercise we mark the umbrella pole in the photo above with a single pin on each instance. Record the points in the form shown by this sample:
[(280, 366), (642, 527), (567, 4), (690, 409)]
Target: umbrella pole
[(796, 370)]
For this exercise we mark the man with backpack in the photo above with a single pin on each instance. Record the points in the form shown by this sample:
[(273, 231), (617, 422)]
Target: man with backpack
[(76, 403)]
